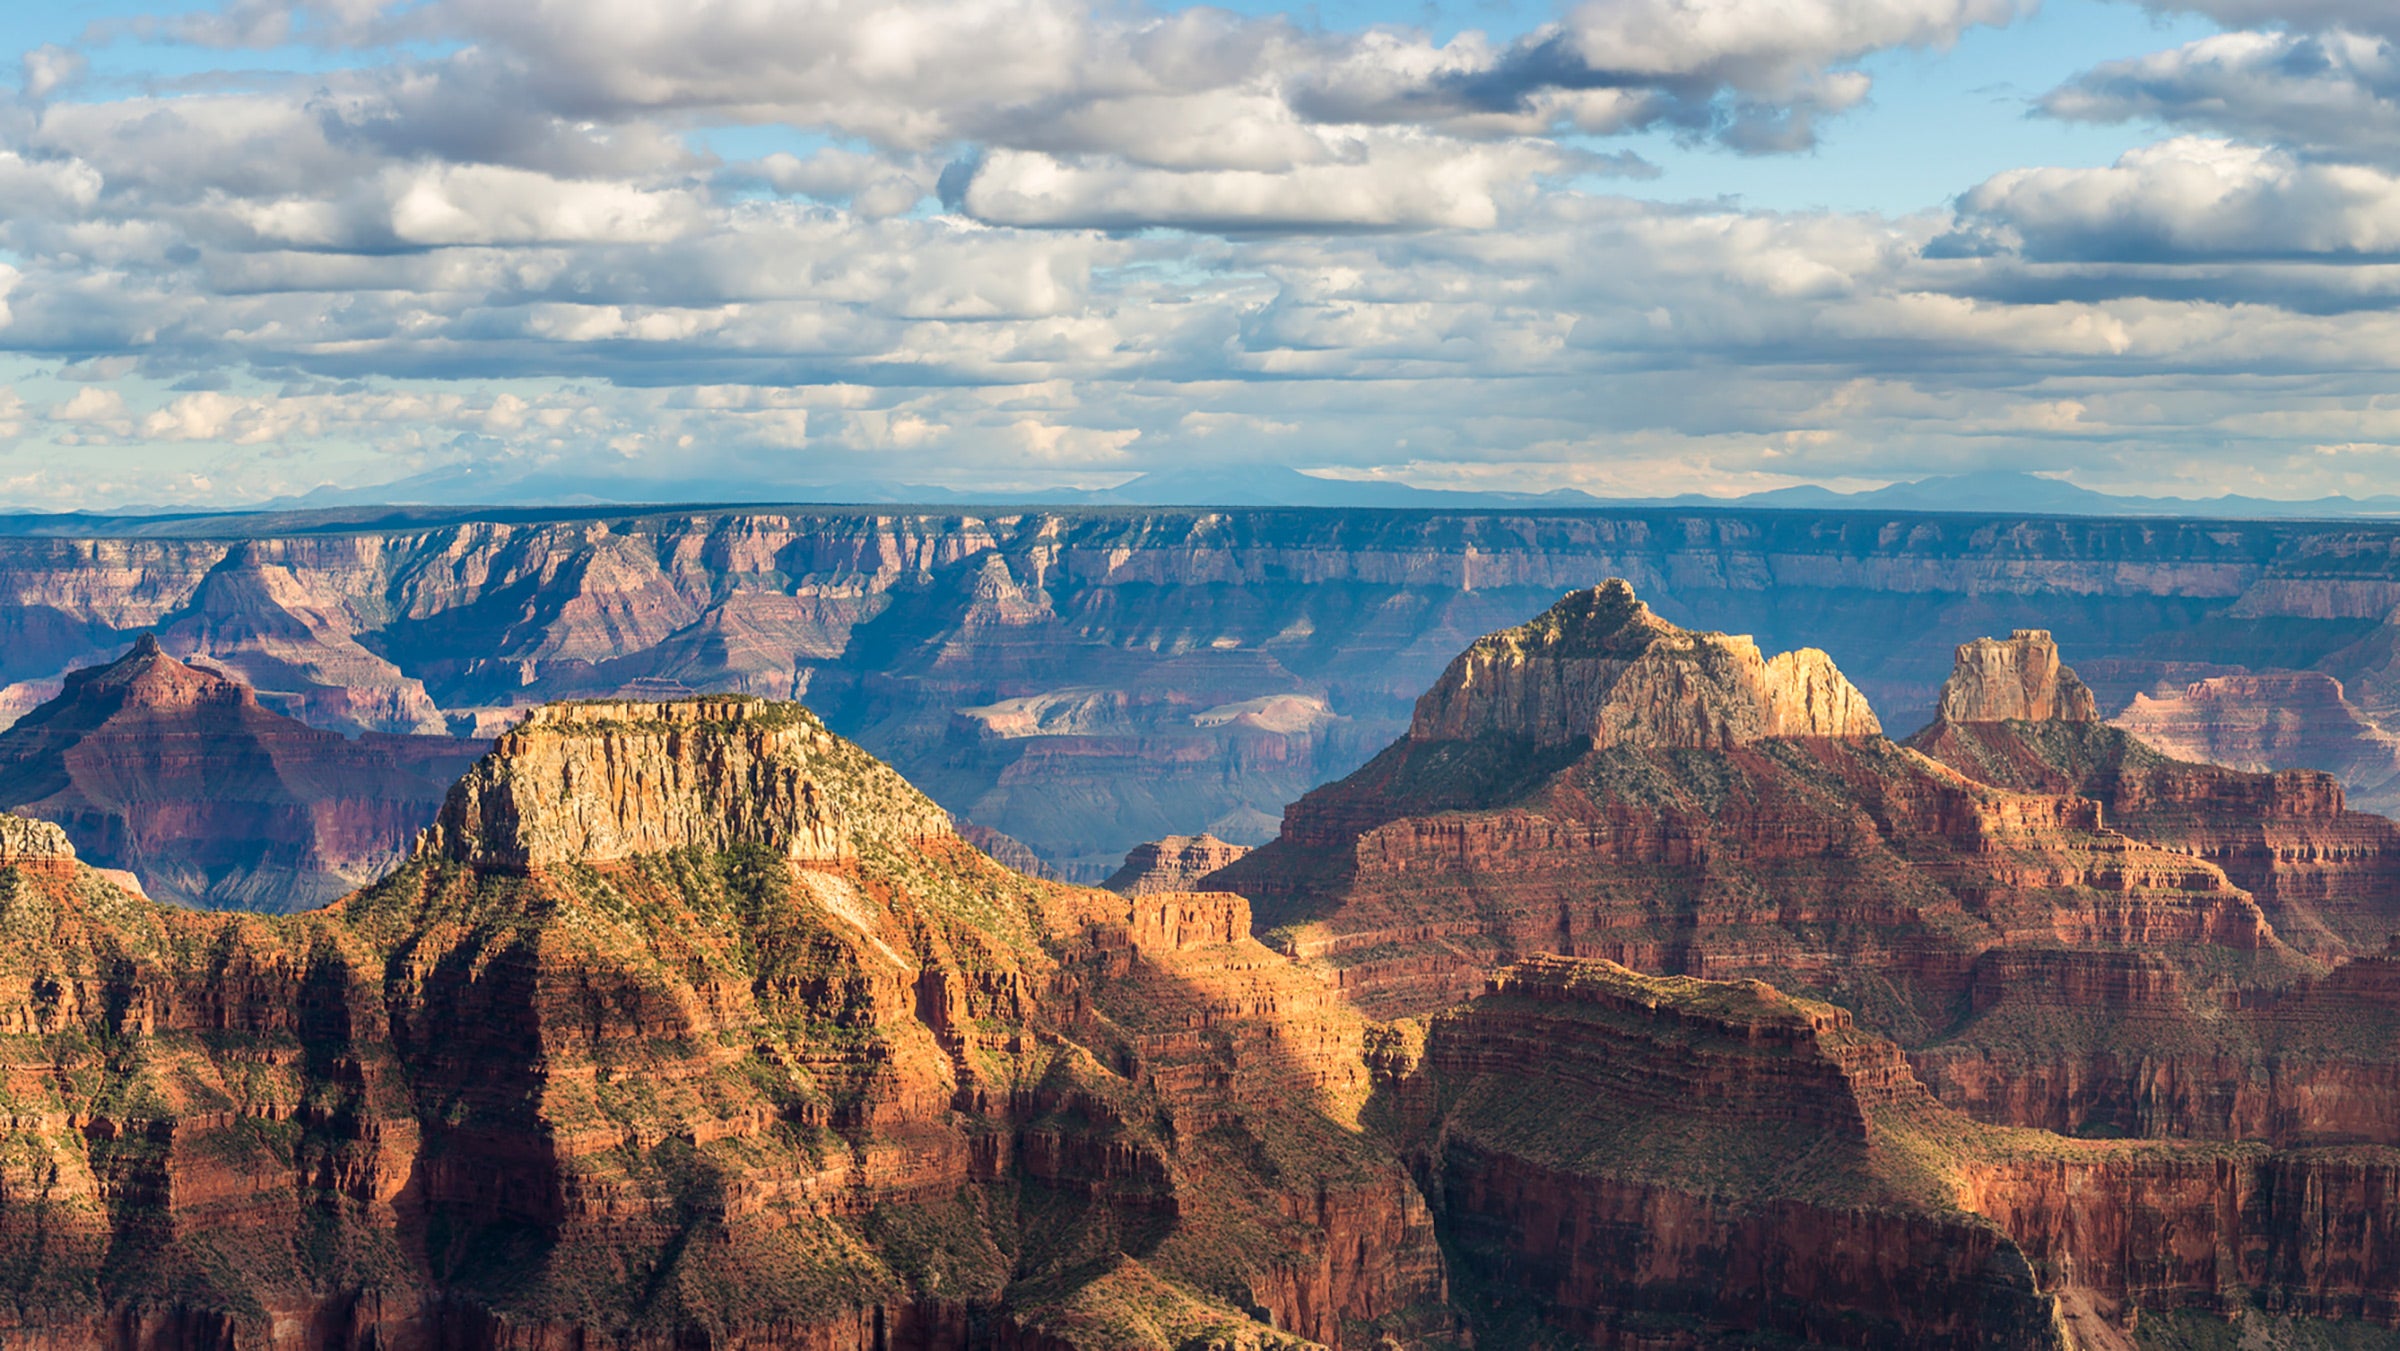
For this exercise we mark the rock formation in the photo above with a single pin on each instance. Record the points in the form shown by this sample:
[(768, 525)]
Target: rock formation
[(1678, 1162), (1686, 839), (688, 1022), (177, 775), (2327, 877), (1241, 657), (2277, 720), (1175, 863), (2016, 679), (1599, 669)]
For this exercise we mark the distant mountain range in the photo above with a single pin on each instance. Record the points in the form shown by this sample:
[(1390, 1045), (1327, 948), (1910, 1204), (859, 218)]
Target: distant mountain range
[(548, 494)]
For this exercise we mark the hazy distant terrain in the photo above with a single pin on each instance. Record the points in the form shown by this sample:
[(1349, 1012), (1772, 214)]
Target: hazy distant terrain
[(1088, 678)]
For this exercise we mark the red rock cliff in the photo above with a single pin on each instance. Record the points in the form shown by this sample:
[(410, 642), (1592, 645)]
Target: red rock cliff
[(690, 1020)]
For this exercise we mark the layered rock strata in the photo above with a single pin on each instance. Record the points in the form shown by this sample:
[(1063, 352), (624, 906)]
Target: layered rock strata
[(1711, 836), (176, 774), (2327, 877), (2278, 720), (1175, 863), (688, 1022), (2015, 679), (1677, 1162), (1598, 669), (1185, 627)]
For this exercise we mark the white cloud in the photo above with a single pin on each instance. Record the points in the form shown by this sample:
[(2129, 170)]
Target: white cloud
[(2190, 198), (50, 68), (2334, 93)]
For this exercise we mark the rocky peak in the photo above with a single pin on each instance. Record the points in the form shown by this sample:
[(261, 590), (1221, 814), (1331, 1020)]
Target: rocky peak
[(2015, 679), (605, 780), (24, 839), (1175, 863), (1600, 667), (147, 676)]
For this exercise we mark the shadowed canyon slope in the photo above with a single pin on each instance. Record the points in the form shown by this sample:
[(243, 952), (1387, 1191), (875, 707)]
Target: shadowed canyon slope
[(1675, 1162), (690, 1023), (1084, 680), (176, 774)]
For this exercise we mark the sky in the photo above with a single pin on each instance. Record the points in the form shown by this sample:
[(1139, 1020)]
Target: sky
[(1635, 247)]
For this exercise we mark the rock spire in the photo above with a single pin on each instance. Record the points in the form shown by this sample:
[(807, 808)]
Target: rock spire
[(2015, 679)]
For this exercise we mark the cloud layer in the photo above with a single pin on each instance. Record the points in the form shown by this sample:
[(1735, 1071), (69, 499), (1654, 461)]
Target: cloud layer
[(1015, 241)]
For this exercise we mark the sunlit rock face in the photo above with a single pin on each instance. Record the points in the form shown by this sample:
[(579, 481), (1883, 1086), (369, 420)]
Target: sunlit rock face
[(1176, 863), (690, 1022), (2015, 679), (174, 773), (602, 781), (1602, 783), (1599, 668)]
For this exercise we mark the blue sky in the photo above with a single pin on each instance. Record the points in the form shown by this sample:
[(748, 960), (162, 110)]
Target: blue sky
[(1632, 246)]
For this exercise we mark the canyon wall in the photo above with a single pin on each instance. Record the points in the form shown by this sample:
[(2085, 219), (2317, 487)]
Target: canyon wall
[(1674, 1162), (786, 1069), (1084, 680)]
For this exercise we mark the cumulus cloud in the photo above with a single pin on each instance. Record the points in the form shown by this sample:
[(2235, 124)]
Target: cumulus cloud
[(2334, 93), (49, 68), (500, 237), (1393, 183), (2182, 200), (2357, 16)]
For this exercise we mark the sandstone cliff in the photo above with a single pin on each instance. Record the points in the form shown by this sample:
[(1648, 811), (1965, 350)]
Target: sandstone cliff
[(2014, 679), (1845, 866), (688, 1021), (1175, 863), (1678, 1162), (1240, 657), (176, 774), (2327, 877), (2279, 720), (1600, 669)]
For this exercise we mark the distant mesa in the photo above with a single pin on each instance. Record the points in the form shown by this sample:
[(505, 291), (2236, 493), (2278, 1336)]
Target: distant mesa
[(1176, 863), (2015, 679), (1599, 669)]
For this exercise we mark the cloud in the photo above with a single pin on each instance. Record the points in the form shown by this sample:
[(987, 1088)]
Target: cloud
[(1390, 183), (50, 68), (988, 241), (2357, 16), (2334, 93), (2187, 199)]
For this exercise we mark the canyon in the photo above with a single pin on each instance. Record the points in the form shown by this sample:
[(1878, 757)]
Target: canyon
[(688, 1021), (1084, 680), (1642, 992)]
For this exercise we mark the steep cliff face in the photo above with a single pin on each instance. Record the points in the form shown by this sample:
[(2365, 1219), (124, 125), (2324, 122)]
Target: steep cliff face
[(1843, 865), (1678, 1162), (688, 1021), (1087, 680), (2327, 877), (176, 774), (1175, 863), (2016, 679), (1599, 669), (2280, 720)]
